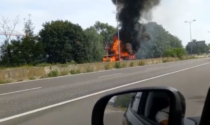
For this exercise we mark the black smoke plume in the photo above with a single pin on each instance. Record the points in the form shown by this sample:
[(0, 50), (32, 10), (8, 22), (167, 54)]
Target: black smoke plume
[(129, 14)]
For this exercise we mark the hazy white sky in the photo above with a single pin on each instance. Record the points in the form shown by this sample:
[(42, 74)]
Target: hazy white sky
[(171, 14)]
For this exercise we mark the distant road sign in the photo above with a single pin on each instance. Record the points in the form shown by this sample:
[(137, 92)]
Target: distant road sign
[(106, 47)]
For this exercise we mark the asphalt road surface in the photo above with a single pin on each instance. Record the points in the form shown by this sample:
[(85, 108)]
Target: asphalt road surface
[(70, 99), (113, 116)]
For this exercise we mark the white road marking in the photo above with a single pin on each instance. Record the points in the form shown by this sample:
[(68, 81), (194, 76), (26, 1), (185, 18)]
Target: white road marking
[(109, 75), (20, 91), (93, 94)]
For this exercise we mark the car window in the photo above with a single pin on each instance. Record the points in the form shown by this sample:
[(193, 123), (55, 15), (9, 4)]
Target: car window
[(154, 107), (136, 101)]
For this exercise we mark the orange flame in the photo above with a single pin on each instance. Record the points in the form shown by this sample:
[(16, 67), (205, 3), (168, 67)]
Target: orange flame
[(114, 48)]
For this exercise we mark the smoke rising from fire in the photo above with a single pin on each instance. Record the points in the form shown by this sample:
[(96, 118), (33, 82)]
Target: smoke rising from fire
[(130, 12)]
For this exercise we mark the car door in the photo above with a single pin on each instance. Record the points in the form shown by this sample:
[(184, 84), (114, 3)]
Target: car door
[(132, 110), (133, 114)]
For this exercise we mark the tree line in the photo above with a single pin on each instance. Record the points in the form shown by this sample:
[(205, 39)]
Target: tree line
[(61, 41), (58, 42), (209, 46), (162, 43)]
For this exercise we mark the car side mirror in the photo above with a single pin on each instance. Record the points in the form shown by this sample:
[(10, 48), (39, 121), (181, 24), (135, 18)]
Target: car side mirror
[(206, 111), (140, 106)]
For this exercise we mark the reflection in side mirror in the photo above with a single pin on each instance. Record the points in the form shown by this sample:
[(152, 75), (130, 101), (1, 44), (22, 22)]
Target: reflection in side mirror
[(152, 107), (161, 106), (116, 108)]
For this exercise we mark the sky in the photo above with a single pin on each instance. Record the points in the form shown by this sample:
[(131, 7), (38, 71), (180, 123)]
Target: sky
[(171, 14)]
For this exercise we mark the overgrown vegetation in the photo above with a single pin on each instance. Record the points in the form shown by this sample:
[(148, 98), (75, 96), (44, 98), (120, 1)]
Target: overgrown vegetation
[(165, 60), (131, 64), (141, 63), (4, 81), (73, 71), (176, 52), (58, 42), (53, 73), (89, 69), (64, 43), (107, 66), (122, 64), (117, 65), (32, 78), (64, 73)]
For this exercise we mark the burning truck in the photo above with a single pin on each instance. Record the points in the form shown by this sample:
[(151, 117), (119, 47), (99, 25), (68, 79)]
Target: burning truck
[(126, 48), (132, 33), (113, 52)]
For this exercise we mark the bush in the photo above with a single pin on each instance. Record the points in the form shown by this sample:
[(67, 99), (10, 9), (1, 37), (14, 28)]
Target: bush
[(190, 57), (170, 53), (123, 65), (63, 65), (117, 65), (42, 64), (120, 65), (107, 66), (141, 63), (63, 73), (89, 69), (44, 76), (4, 82), (165, 60), (53, 73), (176, 52), (75, 71), (72, 62), (180, 52), (131, 64), (32, 78)]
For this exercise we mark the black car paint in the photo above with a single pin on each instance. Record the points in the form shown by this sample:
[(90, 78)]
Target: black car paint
[(133, 120)]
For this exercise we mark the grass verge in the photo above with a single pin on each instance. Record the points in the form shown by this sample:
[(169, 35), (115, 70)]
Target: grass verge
[(107, 66)]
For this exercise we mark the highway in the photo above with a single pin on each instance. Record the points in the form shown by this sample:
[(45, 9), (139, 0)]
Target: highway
[(70, 99)]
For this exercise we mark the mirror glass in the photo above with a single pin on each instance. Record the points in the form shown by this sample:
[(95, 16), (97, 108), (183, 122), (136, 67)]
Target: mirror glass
[(140, 108)]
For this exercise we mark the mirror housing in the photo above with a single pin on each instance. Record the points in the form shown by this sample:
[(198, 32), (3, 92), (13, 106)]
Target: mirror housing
[(206, 111), (176, 112)]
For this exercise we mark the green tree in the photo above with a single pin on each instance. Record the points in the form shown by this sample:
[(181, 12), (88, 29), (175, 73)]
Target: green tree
[(209, 46), (106, 31), (26, 50), (94, 46), (175, 52), (28, 27), (63, 42), (161, 41)]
